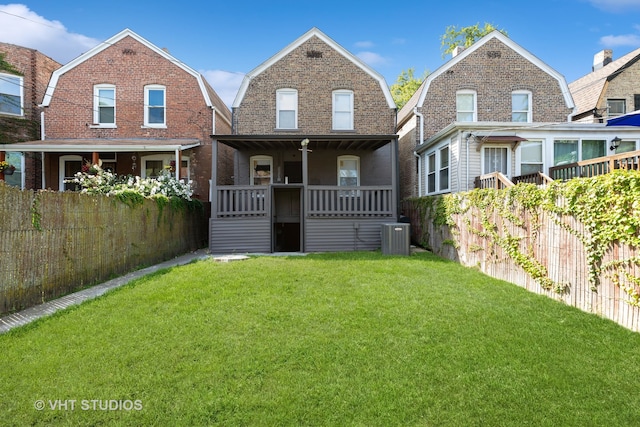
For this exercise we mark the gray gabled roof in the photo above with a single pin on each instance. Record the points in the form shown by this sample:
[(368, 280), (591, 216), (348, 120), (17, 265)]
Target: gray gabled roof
[(314, 32), (417, 100)]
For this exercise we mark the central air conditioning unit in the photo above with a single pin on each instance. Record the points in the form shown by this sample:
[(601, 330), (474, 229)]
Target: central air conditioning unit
[(396, 239)]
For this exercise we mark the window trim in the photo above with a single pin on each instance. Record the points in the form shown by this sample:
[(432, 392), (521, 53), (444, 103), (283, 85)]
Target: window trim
[(147, 106), (5, 76), (252, 169), (166, 161), (61, 168), (528, 111), (334, 111), (475, 105), (435, 173), (279, 93), (509, 173), (519, 160), (623, 101), (348, 157), (96, 106)]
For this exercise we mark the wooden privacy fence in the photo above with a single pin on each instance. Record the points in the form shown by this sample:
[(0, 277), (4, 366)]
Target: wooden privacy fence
[(554, 245), (54, 243)]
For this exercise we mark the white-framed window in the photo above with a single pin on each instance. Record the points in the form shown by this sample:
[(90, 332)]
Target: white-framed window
[(155, 106), (496, 158), (261, 170), (565, 151), (68, 166), (592, 148), (521, 106), (531, 157), (104, 105), (348, 171), (438, 170), (466, 106), (626, 146), (11, 95), (17, 178), (616, 107), (286, 109), (153, 164), (343, 110)]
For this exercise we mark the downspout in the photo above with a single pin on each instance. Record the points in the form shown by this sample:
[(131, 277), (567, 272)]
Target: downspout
[(421, 121), (43, 179)]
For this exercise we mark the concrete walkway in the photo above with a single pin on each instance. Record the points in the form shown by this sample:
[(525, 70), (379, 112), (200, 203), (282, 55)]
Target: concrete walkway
[(28, 315)]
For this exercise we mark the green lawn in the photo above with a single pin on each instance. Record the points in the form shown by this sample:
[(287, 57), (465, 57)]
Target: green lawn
[(330, 339)]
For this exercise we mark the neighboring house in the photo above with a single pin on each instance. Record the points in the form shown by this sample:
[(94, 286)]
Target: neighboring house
[(24, 76), (316, 155), (611, 89), (493, 107), (133, 108)]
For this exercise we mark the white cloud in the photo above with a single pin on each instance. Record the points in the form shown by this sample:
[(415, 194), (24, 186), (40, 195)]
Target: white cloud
[(623, 40), (364, 44), (372, 58), (23, 27), (225, 83), (616, 5)]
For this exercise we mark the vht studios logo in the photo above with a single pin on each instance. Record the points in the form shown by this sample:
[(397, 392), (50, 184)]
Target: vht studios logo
[(88, 405)]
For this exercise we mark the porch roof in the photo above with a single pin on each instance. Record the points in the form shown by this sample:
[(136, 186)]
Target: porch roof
[(316, 142), (101, 145)]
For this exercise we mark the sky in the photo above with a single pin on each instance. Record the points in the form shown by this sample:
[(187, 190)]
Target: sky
[(224, 40)]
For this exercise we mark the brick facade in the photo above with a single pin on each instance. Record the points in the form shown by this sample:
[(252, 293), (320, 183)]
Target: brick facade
[(315, 70), (35, 69)]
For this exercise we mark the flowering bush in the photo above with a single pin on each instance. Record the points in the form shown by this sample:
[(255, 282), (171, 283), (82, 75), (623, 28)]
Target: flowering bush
[(95, 180)]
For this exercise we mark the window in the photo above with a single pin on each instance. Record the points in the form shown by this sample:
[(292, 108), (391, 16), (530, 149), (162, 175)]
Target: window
[(104, 110), (521, 106), (11, 94), (69, 166), (496, 159), (592, 148), (17, 160), (287, 109), (343, 110), (626, 146), (155, 102), (616, 107), (438, 170), (349, 171), (565, 151), (261, 167), (154, 164), (531, 157), (466, 106)]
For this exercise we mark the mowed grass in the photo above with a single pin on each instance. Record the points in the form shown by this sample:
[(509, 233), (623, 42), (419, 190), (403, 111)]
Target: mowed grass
[(355, 339)]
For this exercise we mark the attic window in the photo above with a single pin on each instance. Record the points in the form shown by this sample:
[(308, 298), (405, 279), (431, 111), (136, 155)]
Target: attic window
[(494, 54), (128, 52), (314, 54)]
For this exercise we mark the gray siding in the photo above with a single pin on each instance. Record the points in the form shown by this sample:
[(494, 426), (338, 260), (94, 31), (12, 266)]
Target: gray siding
[(240, 235), (331, 234)]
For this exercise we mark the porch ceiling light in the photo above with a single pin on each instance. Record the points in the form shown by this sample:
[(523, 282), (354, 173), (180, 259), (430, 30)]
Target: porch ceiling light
[(304, 142), (615, 143)]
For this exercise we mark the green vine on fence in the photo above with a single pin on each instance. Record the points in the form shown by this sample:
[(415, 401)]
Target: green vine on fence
[(36, 215), (608, 206)]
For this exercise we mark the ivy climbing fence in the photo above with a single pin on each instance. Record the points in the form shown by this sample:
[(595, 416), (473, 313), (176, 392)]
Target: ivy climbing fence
[(544, 249), (53, 243)]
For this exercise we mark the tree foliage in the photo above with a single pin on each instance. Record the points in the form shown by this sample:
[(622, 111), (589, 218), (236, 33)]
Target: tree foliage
[(405, 86), (465, 36)]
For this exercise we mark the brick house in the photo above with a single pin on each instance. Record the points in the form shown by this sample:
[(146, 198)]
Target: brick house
[(493, 107), (135, 109), (24, 76), (316, 155)]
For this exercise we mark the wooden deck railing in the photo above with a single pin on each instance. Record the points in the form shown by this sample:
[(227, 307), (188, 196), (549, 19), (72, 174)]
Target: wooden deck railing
[(537, 178), (350, 201), (323, 201), (495, 180), (597, 166), (233, 201)]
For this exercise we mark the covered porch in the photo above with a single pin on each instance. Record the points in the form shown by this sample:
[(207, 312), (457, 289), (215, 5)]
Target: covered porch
[(305, 193)]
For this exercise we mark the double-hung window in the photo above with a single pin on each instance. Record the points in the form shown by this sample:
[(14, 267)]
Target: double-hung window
[(616, 107), (155, 106), (466, 106), (11, 94), (287, 109), (521, 106), (343, 110), (531, 160), (438, 170), (104, 105), (348, 171)]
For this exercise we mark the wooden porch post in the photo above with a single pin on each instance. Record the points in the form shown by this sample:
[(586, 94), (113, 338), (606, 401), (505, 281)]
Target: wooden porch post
[(213, 191), (395, 180), (305, 192), (95, 158), (178, 162)]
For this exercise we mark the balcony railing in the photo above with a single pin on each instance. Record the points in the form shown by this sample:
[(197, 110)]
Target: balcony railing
[(495, 180), (537, 178), (594, 167), (350, 201), (236, 201)]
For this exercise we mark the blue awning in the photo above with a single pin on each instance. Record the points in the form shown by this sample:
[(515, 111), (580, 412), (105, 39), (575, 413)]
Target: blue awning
[(629, 119)]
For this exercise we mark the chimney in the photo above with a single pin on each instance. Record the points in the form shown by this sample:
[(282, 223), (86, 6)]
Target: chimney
[(601, 59), (457, 51)]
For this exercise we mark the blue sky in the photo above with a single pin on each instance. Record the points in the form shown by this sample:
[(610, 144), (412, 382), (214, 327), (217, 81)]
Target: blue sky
[(226, 39)]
